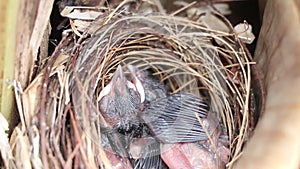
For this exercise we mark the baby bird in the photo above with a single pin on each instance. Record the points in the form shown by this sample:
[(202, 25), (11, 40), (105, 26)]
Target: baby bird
[(149, 125), (119, 103)]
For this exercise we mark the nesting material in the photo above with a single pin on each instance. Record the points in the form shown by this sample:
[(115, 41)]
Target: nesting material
[(61, 121)]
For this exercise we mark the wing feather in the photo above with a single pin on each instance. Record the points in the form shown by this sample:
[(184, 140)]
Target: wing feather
[(173, 119)]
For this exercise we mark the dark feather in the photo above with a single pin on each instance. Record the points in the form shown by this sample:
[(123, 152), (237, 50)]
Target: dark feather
[(173, 119)]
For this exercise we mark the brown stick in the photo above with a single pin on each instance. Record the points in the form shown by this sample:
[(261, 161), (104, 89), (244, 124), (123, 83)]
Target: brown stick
[(44, 93)]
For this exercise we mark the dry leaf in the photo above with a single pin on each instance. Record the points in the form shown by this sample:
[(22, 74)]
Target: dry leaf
[(82, 15), (21, 149), (244, 32)]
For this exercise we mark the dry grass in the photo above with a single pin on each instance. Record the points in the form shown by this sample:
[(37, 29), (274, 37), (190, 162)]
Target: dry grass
[(60, 120)]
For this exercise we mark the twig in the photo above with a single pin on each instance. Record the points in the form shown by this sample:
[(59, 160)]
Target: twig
[(44, 92)]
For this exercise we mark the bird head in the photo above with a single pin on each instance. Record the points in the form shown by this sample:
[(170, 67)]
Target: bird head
[(119, 99)]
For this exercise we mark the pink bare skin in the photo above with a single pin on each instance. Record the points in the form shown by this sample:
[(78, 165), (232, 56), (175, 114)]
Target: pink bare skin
[(200, 155), (116, 161)]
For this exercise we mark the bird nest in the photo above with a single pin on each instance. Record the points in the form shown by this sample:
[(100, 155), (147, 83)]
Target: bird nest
[(61, 121)]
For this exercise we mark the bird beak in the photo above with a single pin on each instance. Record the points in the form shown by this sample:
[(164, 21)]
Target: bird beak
[(137, 83), (117, 84)]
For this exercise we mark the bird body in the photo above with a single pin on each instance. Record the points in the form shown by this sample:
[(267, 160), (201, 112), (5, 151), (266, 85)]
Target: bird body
[(158, 128)]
